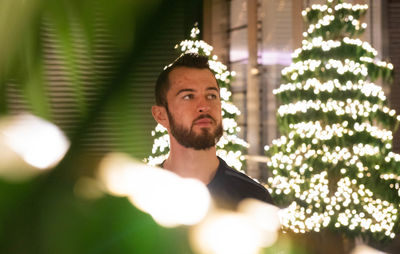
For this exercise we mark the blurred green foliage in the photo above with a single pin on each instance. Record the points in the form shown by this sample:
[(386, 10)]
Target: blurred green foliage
[(86, 49), (45, 216)]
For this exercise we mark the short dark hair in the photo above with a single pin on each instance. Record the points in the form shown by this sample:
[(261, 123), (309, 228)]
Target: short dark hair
[(190, 60)]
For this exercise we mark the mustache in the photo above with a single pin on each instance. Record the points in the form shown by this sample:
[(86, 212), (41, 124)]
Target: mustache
[(204, 116)]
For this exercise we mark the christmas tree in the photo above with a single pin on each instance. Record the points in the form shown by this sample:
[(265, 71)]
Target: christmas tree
[(230, 147), (333, 167)]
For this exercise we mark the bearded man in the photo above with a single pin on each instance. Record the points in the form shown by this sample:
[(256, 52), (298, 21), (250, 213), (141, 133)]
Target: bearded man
[(188, 105)]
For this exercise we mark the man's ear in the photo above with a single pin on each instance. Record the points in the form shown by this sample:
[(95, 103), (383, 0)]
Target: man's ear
[(160, 115)]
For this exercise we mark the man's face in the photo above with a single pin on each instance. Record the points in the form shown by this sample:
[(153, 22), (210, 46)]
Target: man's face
[(194, 108)]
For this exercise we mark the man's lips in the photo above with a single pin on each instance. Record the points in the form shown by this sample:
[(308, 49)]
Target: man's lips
[(203, 121)]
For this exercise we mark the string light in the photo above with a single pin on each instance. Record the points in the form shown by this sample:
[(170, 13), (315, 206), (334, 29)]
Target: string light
[(366, 88), (337, 132)]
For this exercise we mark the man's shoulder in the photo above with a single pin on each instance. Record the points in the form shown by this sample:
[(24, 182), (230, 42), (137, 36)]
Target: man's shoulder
[(239, 177), (230, 187)]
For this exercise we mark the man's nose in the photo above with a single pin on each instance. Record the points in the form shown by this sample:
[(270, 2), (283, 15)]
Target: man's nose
[(203, 106)]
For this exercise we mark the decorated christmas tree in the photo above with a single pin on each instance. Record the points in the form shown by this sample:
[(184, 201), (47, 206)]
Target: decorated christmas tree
[(333, 167), (230, 147)]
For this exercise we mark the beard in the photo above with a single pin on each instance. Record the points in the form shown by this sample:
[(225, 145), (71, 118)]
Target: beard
[(189, 139)]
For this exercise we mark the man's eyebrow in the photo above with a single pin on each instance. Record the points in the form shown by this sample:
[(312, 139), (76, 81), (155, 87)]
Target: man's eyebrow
[(193, 90), (213, 88), (185, 90)]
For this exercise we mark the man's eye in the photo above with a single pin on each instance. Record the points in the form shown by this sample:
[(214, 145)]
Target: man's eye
[(188, 97), (212, 96)]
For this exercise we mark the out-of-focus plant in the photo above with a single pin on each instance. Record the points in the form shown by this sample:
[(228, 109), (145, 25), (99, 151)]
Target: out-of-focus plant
[(53, 54)]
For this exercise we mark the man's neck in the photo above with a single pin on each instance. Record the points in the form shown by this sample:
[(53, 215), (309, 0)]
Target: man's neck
[(191, 163)]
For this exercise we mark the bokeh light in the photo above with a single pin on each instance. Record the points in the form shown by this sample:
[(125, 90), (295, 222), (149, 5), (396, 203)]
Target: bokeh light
[(226, 233), (171, 200), (35, 141), (263, 216), (364, 249)]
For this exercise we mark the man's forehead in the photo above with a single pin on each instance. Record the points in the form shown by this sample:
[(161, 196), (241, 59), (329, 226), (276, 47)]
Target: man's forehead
[(193, 78)]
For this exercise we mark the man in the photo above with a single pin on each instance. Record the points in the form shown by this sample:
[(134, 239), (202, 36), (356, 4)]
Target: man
[(188, 105)]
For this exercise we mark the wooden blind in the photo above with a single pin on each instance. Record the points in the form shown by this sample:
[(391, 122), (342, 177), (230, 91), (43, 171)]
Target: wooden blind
[(76, 79)]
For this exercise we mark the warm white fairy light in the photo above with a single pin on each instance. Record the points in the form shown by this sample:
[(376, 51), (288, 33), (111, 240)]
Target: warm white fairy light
[(194, 32), (156, 160), (324, 21), (225, 94), (328, 18), (221, 70), (354, 108), (385, 64), (230, 108), (348, 6), (372, 214), (391, 177), (347, 204), (319, 42), (233, 159), (313, 84), (302, 66), (299, 68), (327, 132), (376, 215), (325, 8), (160, 144), (189, 46), (229, 125)]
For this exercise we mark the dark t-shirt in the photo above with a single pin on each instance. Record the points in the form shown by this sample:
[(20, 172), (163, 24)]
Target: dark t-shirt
[(229, 187)]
